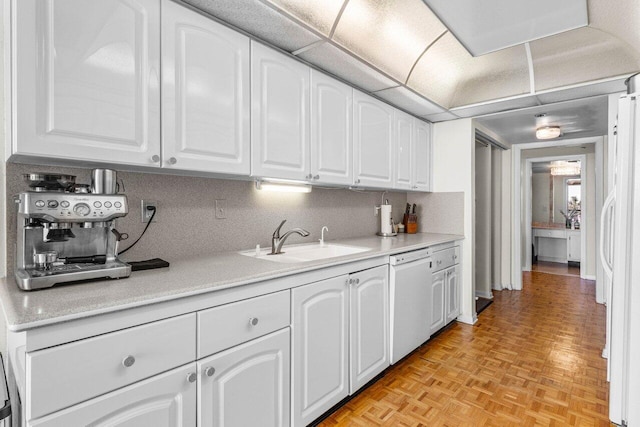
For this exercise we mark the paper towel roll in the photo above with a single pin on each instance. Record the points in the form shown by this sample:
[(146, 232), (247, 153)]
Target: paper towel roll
[(385, 219)]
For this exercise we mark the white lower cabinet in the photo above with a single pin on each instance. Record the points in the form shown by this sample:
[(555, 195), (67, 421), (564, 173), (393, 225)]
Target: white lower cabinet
[(247, 385), (320, 348), (445, 287), (437, 299), (167, 399), (452, 287), (573, 245), (340, 340)]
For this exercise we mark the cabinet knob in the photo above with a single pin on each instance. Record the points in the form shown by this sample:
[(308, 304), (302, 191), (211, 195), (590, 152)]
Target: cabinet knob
[(357, 281), (128, 361), (192, 377), (415, 186), (308, 176), (253, 321), (155, 158), (357, 181), (209, 371), (173, 161), (316, 177)]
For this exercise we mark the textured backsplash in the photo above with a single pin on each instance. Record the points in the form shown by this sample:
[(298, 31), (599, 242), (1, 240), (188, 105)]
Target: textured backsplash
[(186, 224), (439, 212)]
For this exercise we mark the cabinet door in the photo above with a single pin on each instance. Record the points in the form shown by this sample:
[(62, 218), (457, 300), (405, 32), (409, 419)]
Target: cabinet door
[(167, 399), (368, 325), (573, 246), (279, 115), (452, 285), (373, 142), (247, 385), (205, 94), (404, 151), (320, 348), (438, 300), (86, 82), (331, 133), (421, 179)]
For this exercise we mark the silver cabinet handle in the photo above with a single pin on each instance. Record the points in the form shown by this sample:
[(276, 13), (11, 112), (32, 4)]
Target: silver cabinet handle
[(173, 161), (309, 176), (357, 181), (128, 361), (192, 377), (209, 371), (316, 177), (155, 158), (253, 321), (357, 281)]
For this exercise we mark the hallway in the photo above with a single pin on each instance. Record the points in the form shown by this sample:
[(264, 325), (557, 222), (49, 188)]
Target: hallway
[(533, 358)]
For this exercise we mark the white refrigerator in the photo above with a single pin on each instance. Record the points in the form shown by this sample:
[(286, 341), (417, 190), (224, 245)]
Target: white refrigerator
[(620, 254)]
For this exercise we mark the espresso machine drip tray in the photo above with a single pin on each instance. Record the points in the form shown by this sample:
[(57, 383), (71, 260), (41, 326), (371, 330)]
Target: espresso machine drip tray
[(30, 279)]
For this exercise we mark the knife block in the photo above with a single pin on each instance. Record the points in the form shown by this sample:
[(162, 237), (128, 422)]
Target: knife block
[(410, 222)]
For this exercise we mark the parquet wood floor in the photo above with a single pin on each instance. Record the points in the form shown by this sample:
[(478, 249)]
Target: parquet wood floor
[(532, 359), (555, 268)]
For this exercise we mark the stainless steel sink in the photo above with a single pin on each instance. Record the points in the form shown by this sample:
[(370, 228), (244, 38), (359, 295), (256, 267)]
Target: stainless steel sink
[(304, 253)]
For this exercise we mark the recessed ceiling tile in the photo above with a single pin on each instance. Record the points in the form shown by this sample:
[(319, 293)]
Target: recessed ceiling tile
[(580, 56), (495, 107), (490, 25), (260, 20), (450, 76), (409, 101), (391, 34), (440, 117), (318, 14), (619, 19), (339, 63), (583, 91)]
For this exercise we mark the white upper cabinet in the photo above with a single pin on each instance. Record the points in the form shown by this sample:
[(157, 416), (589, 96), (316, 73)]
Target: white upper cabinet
[(279, 115), (86, 80), (405, 151), (331, 130), (422, 162), (373, 142), (205, 94)]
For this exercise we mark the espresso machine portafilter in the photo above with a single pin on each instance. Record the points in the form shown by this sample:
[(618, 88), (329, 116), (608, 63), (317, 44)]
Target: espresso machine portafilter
[(66, 234)]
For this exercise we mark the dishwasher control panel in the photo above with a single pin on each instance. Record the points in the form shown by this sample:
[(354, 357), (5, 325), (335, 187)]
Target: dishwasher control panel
[(409, 256)]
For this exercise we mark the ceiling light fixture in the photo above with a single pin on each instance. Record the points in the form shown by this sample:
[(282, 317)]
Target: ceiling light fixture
[(283, 186), (548, 132), (564, 168)]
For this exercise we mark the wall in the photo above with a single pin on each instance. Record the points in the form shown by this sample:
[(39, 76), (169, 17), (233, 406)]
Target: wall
[(507, 213), (439, 212), (453, 171), (186, 223), (483, 216)]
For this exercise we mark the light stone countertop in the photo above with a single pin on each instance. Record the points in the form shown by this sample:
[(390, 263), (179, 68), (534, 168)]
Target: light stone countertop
[(28, 309)]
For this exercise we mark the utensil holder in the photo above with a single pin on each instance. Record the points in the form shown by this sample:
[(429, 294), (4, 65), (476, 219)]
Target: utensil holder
[(412, 223)]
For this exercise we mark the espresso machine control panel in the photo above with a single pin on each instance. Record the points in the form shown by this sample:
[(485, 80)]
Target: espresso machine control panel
[(70, 207)]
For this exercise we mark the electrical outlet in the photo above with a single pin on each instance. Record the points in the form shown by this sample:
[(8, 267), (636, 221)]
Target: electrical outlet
[(146, 213), (375, 210), (221, 208)]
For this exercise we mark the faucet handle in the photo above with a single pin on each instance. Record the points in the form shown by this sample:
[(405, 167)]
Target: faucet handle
[(276, 234)]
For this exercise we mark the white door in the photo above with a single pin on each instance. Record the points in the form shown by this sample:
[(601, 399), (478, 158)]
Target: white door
[(167, 399), (373, 141), (452, 284), (368, 325), (320, 348), (404, 151), (410, 293), (331, 133), (421, 180), (247, 385), (279, 115), (205, 94), (86, 82), (437, 301)]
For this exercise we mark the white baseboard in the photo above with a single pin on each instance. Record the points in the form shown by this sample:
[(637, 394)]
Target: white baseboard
[(589, 277), (467, 319), (552, 259), (487, 295)]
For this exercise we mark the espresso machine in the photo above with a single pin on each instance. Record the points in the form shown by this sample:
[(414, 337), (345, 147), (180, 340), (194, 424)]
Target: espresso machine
[(66, 231)]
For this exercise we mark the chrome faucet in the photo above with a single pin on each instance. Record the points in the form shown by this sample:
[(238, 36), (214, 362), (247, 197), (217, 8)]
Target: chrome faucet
[(277, 241)]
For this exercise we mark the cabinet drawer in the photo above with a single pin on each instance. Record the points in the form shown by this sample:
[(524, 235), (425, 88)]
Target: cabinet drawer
[(65, 375), (223, 327), (543, 232), (445, 258)]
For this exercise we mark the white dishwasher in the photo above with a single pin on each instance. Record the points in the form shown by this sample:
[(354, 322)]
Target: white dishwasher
[(410, 300)]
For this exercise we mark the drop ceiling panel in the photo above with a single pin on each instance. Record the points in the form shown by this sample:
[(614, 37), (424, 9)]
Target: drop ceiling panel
[(391, 34), (450, 76), (440, 117), (339, 63), (495, 107), (318, 14), (580, 56), (584, 91), (490, 25), (619, 19), (409, 101), (260, 20)]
